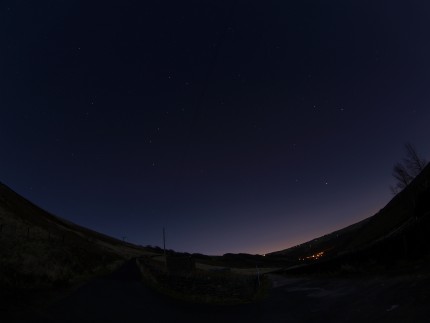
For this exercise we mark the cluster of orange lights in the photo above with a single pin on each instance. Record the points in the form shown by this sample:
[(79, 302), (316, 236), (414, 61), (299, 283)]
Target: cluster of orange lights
[(314, 256)]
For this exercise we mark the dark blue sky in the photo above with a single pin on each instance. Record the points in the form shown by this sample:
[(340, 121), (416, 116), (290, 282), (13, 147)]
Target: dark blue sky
[(240, 126)]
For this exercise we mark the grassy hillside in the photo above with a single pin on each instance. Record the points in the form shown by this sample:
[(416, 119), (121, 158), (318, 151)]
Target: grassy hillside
[(40, 250), (394, 237)]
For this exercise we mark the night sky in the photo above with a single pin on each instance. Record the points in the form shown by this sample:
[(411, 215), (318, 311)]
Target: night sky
[(239, 126)]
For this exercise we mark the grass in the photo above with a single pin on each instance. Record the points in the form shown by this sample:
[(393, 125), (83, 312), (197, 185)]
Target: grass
[(36, 263), (39, 251), (202, 286)]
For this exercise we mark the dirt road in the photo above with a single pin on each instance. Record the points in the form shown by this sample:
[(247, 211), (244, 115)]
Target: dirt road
[(375, 299), (123, 298)]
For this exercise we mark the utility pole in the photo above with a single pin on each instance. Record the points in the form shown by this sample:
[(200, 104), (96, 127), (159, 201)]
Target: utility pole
[(164, 241), (164, 247)]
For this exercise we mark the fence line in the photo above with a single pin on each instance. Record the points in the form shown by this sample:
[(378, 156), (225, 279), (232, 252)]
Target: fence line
[(24, 232)]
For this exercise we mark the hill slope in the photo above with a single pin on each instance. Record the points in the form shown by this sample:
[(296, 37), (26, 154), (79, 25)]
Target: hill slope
[(38, 249), (397, 233)]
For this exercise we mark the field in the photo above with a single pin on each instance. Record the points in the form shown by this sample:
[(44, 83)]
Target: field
[(203, 284)]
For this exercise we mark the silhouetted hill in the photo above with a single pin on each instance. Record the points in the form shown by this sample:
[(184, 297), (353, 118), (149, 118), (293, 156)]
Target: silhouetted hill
[(394, 237), (40, 250)]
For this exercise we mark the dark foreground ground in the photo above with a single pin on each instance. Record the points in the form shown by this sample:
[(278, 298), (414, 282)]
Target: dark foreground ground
[(123, 298)]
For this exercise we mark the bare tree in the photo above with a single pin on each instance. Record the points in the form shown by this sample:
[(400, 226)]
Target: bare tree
[(405, 172), (413, 162), (402, 175)]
